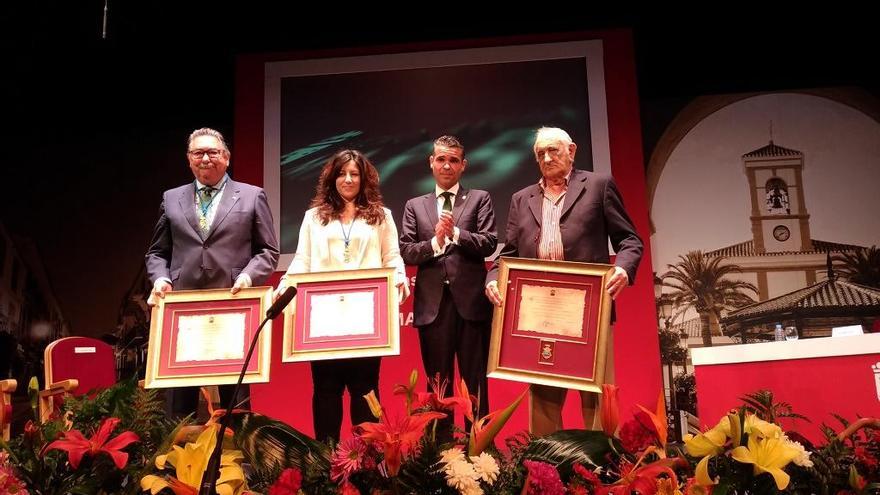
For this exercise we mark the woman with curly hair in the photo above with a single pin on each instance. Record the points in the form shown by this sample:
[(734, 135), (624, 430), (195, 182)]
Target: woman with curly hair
[(347, 228)]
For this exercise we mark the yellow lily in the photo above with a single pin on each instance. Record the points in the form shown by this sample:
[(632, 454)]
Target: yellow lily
[(768, 455), (736, 429), (707, 445), (754, 424), (375, 406), (189, 462)]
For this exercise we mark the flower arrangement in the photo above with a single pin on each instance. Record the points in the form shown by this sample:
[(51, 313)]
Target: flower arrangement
[(98, 444), (737, 441), (468, 475), (119, 441)]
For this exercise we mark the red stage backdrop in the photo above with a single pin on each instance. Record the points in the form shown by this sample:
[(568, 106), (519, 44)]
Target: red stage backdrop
[(288, 395)]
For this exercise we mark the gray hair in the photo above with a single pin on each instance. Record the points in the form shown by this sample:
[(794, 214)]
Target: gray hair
[(553, 133), (207, 131)]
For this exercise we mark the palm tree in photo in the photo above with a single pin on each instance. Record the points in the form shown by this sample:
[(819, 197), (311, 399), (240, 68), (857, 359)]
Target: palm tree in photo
[(861, 266), (702, 283)]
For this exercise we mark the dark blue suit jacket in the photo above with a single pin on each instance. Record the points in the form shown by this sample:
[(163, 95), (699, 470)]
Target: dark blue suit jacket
[(462, 266)]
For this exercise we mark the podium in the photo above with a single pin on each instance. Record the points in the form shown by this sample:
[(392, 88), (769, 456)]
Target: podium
[(817, 377)]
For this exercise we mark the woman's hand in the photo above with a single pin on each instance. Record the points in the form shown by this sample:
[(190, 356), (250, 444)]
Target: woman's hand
[(282, 286)]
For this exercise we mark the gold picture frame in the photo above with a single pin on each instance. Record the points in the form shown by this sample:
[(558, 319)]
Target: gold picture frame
[(342, 314), (204, 318), (554, 315)]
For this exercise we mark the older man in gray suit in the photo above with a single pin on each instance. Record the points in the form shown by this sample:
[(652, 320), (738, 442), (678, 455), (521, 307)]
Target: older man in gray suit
[(212, 233), (568, 215)]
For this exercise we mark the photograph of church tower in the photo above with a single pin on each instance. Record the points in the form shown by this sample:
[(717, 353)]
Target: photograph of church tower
[(790, 218)]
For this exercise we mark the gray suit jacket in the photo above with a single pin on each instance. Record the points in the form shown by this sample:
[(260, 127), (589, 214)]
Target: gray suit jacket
[(592, 213), (241, 239), (462, 266)]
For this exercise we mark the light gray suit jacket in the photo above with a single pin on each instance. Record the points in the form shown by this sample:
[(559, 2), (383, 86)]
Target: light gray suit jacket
[(241, 239)]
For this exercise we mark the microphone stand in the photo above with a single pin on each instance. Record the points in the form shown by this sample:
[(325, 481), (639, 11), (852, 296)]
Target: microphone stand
[(212, 469)]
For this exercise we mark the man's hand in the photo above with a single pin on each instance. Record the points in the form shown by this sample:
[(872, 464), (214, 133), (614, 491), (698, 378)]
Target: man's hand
[(493, 293), (242, 282), (618, 281), (158, 292), (444, 228)]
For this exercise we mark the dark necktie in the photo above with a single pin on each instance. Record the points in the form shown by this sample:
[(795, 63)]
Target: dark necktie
[(447, 200)]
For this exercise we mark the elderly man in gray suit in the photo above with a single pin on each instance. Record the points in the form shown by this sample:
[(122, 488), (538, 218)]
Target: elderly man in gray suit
[(212, 233), (568, 215)]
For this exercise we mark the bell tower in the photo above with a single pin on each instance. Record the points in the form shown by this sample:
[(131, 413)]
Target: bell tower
[(780, 222)]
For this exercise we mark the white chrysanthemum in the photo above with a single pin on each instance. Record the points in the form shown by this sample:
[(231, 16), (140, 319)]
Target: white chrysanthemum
[(471, 489), (803, 457), (486, 467), (449, 456), (460, 475)]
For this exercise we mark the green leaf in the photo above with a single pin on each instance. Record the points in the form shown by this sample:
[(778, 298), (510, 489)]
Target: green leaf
[(268, 442), (567, 447)]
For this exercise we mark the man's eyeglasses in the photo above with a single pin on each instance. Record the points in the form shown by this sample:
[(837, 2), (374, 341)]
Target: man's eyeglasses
[(212, 153)]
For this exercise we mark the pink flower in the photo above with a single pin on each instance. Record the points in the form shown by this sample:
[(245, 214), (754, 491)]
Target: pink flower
[(543, 479), (347, 458), (288, 483)]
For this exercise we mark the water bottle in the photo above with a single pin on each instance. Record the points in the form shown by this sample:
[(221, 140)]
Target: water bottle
[(778, 334)]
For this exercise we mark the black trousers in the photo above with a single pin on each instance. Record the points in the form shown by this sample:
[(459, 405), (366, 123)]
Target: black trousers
[(185, 400), (330, 379), (447, 339)]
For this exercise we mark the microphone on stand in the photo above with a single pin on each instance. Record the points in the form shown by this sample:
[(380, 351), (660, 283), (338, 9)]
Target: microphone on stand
[(282, 302), (212, 470)]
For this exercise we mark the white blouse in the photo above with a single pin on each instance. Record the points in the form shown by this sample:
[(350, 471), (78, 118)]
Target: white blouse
[(321, 248)]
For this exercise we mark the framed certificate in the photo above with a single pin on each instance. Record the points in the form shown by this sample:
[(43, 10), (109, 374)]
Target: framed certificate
[(553, 325), (343, 314), (201, 337)]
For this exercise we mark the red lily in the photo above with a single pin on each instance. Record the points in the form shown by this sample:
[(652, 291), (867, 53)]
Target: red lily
[(76, 445), (436, 400), (610, 411), (643, 480), (398, 437), (654, 421)]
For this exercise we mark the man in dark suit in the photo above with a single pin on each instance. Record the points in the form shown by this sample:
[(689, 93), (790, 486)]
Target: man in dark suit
[(448, 233), (212, 233), (568, 215)]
